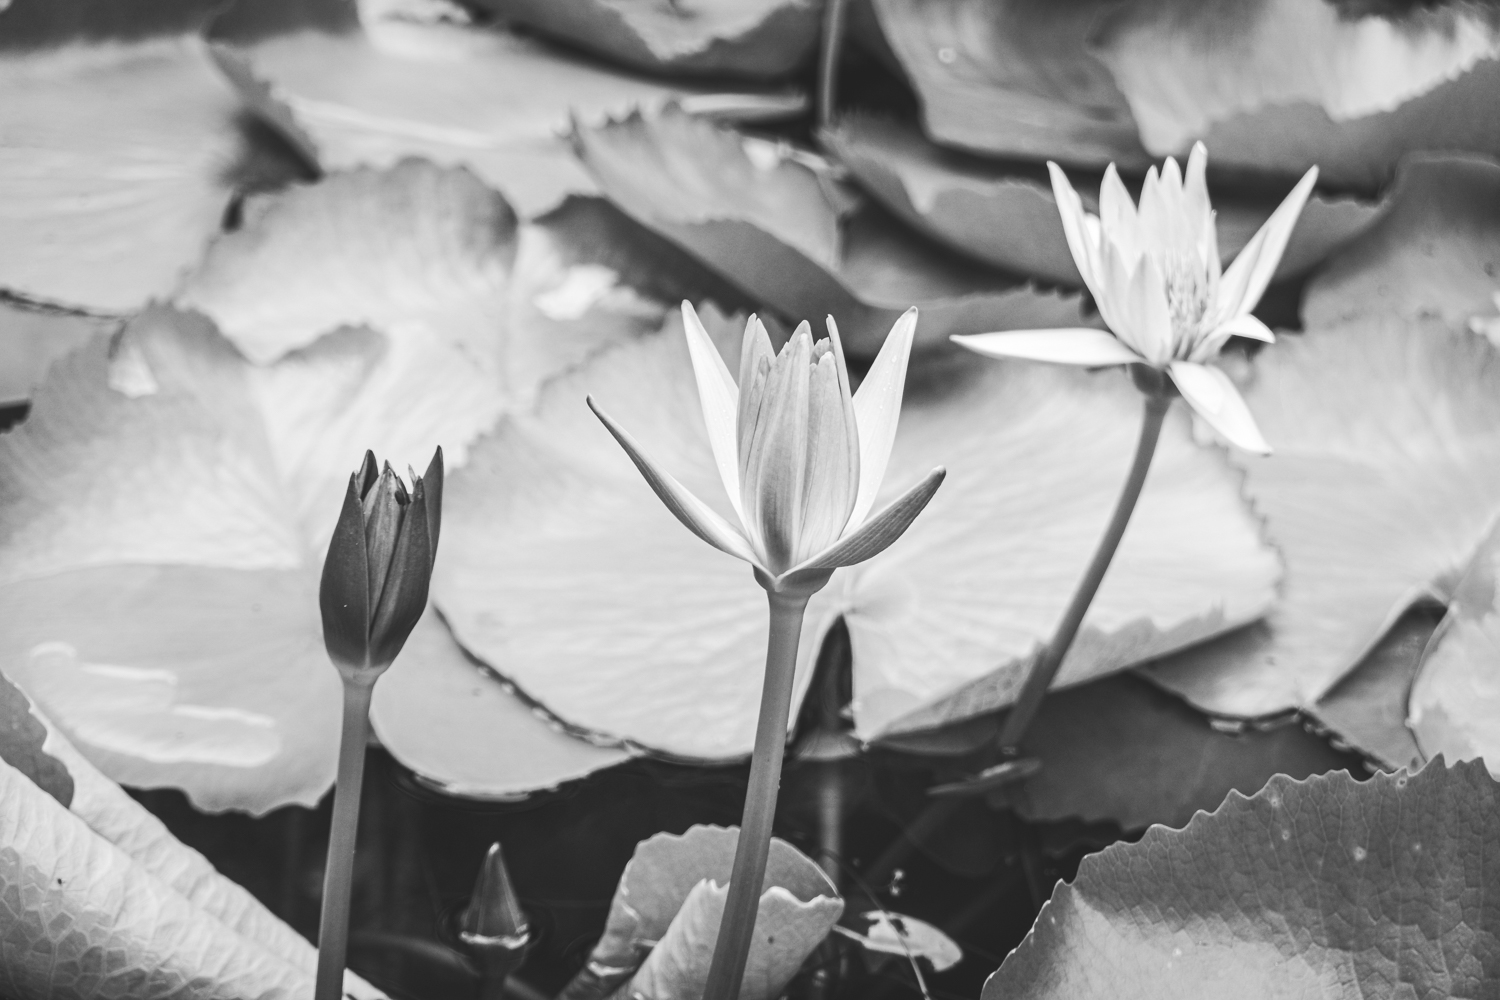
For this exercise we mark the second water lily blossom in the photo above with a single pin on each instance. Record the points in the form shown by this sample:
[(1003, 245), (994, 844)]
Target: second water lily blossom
[(800, 456), (1155, 275)]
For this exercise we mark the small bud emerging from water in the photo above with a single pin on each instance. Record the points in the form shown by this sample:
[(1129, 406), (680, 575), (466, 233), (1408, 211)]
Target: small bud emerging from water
[(379, 564), (494, 929)]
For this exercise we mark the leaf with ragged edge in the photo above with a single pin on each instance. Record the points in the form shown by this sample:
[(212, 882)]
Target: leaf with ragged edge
[(1120, 749), (1457, 691), (1367, 710), (774, 222), (22, 739), (350, 87), (760, 39), (664, 918), (568, 576), (1327, 888), (32, 338), (1013, 78), (1007, 216), (116, 168), (1385, 479), (1281, 85), (1435, 253), (173, 634)]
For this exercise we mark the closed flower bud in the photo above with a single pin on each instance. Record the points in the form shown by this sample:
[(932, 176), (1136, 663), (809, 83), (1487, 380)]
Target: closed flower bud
[(379, 564)]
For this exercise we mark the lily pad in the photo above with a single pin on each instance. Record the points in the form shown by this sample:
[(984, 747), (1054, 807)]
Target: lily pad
[(1014, 78), (1006, 215), (1435, 253), (32, 338), (1326, 887), (758, 39), (1455, 696), (1385, 480), (117, 167), (566, 575), (1120, 749), (774, 221), (1281, 85), (172, 632), (664, 918), (22, 745), (350, 87)]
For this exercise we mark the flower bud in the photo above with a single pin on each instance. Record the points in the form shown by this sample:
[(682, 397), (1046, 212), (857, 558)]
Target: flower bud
[(494, 929), (379, 564)]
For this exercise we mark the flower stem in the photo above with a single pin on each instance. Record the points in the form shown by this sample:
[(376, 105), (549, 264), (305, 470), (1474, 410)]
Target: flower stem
[(1044, 670), (828, 61), (733, 946), (333, 929)]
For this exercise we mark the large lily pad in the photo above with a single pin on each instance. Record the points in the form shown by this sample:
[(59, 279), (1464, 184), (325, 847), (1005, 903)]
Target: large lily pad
[(1455, 696), (1435, 253), (117, 165), (1007, 216), (352, 87), (761, 39), (567, 576), (774, 222), (1272, 86), (1385, 479), (1281, 85), (1326, 887)]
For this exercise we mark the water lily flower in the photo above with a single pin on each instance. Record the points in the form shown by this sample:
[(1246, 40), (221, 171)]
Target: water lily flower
[(379, 564), (801, 457), (1155, 276)]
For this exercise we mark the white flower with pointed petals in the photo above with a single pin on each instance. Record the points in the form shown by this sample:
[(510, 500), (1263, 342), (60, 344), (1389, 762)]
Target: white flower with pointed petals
[(1155, 275), (801, 458)]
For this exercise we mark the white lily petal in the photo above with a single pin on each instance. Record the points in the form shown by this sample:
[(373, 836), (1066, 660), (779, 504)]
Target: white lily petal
[(720, 399), (877, 408), (1241, 326), (1063, 346), (876, 534), (695, 515), (1081, 242), (1195, 186), (1147, 314), (1118, 218), (1210, 392), (1246, 279)]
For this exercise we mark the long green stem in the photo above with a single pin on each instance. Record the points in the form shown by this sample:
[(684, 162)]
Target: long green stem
[(338, 876), (1044, 670), (733, 946), (828, 61)]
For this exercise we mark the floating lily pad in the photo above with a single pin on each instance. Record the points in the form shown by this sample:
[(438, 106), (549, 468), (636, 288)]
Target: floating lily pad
[(761, 39), (566, 575), (1326, 887), (1005, 215), (1456, 695), (773, 221), (1281, 85), (172, 632), (1435, 253), (117, 167), (1384, 481), (1121, 750), (1272, 87), (22, 739), (350, 87)]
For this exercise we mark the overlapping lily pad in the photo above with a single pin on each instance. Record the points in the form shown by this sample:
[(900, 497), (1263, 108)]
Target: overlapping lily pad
[(1385, 479), (568, 577), (351, 86), (116, 168), (762, 39), (1274, 86), (775, 222), (1326, 887), (1005, 215)]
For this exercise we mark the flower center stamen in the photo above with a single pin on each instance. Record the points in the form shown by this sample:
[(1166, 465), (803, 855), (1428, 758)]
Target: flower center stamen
[(1188, 292)]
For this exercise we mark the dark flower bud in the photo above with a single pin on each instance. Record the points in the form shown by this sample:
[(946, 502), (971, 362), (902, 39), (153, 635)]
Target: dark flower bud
[(494, 929), (379, 563)]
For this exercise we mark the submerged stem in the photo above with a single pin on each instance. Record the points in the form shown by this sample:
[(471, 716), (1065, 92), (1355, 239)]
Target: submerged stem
[(1044, 670), (333, 929), (733, 946)]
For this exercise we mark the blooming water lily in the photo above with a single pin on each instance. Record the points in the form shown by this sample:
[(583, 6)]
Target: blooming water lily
[(800, 456), (801, 459), (1155, 275)]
